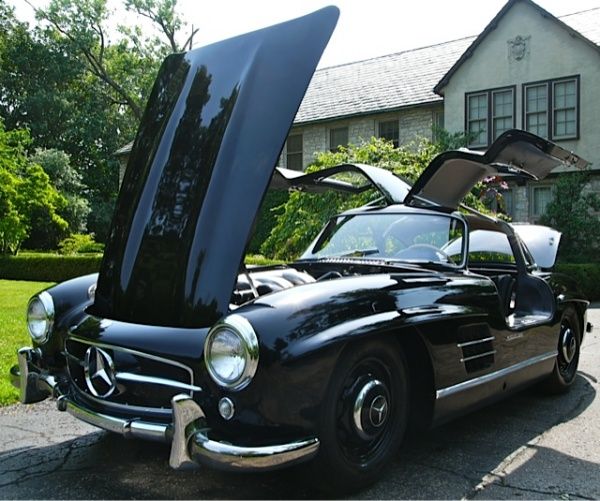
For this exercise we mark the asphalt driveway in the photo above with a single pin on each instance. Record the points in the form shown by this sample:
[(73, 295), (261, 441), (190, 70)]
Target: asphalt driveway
[(529, 446)]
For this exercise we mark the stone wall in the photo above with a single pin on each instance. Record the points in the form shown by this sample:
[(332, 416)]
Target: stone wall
[(414, 123)]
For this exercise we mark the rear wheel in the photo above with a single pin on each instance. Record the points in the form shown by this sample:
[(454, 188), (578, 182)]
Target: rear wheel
[(567, 360), (364, 416)]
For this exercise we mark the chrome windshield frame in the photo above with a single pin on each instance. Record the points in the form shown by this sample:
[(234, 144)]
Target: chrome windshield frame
[(309, 255)]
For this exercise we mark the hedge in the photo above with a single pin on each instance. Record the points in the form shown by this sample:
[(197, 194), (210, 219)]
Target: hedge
[(41, 267), (55, 268), (586, 275), (47, 267)]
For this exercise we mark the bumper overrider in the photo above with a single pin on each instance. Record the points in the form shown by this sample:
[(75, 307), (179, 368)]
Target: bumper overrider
[(188, 433)]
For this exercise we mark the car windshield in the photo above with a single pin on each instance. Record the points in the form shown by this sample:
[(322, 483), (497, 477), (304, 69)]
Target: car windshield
[(406, 237)]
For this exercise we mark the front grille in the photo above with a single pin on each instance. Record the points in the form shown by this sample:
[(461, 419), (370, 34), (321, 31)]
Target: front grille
[(135, 379)]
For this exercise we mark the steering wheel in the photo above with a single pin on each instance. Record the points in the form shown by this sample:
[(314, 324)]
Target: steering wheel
[(423, 251)]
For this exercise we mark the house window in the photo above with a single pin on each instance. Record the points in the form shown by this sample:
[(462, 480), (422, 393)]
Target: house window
[(541, 196), (294, 152), (477, 123), (390, 130), (488, 114), (551, 108), (438, 125), (338, 137), (565, 109), (503, 116), (536, 109)]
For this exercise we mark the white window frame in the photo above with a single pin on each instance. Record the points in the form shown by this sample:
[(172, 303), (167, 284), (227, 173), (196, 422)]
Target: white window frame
[(486, 119), (527, 113), (551, 109), (492, 110), (532, 189), (575, 108)]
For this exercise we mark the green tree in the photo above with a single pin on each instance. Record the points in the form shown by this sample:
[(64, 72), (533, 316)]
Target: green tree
[(69, 184), (571, 211), (28, 201), (80, 87), (299, 220)]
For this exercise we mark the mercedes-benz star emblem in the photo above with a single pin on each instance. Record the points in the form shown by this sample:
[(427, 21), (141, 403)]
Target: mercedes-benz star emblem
[(99, 372), (378, 411)]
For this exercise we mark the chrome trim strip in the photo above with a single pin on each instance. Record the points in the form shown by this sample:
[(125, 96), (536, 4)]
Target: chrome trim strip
[(126, 427), (424, 280), (486, 378), (477, 341), (134, 352), (233, 457), (166, 411), (139, 378), (479, 355), (415, 310)]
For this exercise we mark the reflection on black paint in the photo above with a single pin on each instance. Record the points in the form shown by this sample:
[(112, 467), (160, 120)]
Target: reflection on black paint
[(209, 140)]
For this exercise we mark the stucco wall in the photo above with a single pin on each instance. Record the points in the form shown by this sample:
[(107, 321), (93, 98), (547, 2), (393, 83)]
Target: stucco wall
[(413, 122), (552, 53)]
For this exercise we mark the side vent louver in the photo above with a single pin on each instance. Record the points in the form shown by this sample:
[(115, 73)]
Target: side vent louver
[(477, 347)]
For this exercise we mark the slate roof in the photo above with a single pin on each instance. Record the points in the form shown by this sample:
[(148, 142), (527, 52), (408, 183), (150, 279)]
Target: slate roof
[(403, 79), (399, 80), (381, 84)]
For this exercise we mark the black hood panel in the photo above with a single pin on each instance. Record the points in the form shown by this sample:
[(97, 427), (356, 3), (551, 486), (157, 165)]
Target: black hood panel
[(213, 129)]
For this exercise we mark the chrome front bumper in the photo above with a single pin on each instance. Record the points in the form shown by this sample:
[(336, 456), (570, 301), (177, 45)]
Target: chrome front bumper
[(188, 434)]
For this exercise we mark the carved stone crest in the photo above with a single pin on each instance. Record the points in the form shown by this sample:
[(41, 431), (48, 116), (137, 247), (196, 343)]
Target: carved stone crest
[(518, 47)]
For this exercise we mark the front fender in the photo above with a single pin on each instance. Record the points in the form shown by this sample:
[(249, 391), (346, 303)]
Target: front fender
[(303, 330)]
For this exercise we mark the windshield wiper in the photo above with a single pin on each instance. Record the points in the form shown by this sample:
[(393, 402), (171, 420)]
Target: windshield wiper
[(359, 253), (426, 263)]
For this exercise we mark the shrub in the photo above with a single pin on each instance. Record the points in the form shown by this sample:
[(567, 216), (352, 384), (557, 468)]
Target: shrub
[(586, 275), (571, 212), (47, 267), (79, 243)]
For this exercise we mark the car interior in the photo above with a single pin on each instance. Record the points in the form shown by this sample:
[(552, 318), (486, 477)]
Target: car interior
[(495, 251)]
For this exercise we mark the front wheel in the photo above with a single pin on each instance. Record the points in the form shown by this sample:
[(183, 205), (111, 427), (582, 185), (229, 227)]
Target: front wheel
[(567, 359), (364, 415)]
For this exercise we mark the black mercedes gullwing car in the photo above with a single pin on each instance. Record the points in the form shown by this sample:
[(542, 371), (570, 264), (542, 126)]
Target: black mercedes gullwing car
[(410, 309)]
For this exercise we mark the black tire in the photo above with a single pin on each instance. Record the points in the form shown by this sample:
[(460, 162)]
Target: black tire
[(351, 457), (569, 344)]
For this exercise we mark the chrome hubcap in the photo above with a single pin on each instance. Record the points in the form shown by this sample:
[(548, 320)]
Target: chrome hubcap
[(568, 345), (378, 411), (371, 409)]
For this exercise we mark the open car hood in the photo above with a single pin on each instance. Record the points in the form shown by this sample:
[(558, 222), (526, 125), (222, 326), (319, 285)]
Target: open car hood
[(210, 137), (542, 242), (515, 154)]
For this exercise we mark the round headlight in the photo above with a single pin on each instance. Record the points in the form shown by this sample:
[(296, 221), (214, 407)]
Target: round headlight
[(40, 317), (231, 352)]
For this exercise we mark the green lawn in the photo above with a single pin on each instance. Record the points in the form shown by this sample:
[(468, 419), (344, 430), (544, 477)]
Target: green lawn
[(13, 331)]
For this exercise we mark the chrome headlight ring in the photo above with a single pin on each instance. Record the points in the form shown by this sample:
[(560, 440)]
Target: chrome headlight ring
[(231, 352), (40, 317)]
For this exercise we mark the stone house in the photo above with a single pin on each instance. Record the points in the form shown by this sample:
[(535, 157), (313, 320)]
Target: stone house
[(533, 71), (527, 69)]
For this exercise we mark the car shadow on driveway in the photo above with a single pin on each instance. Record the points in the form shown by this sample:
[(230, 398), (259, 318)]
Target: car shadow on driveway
[(446, 462)]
